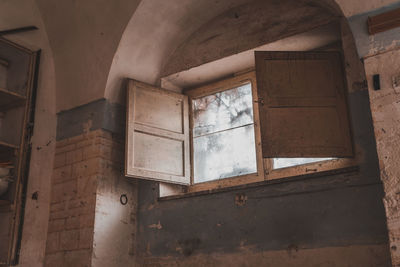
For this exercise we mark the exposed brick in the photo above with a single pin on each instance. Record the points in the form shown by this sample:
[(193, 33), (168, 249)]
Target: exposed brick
[(64, 191), (52, 244), (86, 238), (87, 186), (55, 259), (57, 206), (81, 160), (72, 223), (56, 225), (77, 258), (86, 168), (86, 220), (59, 160), (73, 156), (92, 151), (85, 143), (82, 207), (76, 139), (66, 148), (69, 240), (62, 174), (59, 215), (62, 143), (103, 141)]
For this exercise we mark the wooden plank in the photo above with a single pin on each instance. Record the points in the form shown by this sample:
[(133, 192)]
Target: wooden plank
[(3, 62), (8, 145), (159, 154), (383, 22), (159, 109), (157, 144), (4, 202), (10, 99), (304, 110)]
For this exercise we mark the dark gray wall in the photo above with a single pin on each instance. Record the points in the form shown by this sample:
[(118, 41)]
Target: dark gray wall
[(305, 212)]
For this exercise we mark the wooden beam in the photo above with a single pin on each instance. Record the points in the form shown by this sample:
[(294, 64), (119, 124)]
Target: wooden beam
[(383, 22)]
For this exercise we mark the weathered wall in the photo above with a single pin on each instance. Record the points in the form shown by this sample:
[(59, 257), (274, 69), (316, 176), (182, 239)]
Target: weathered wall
[(338, 212), (332, 212), (84, 36), (385, 106), (15, 14), (158, 28), (88, 225), (236, 31)]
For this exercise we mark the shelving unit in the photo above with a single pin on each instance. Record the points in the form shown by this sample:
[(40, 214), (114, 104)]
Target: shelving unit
[(17, 82), (10, 100), (7, 145)]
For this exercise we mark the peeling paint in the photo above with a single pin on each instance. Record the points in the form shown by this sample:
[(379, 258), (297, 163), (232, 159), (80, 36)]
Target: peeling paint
[(156, 226)]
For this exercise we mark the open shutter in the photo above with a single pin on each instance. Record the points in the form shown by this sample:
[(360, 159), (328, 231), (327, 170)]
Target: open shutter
[(157, 137), (303, 111)]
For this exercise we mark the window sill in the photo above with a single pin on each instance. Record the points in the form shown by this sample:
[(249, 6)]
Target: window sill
[(351, 169)]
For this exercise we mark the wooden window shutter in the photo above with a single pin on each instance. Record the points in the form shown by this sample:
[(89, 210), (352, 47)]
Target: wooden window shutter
[(157, 134), (303, 111)]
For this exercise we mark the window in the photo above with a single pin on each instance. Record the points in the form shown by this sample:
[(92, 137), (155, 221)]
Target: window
[(286, 118), (225, 137)]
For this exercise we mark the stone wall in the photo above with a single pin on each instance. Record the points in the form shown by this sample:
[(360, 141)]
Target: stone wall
[(385, 106)]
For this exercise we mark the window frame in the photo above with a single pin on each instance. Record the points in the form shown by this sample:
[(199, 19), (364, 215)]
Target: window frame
[(265, 169), (216, 87)]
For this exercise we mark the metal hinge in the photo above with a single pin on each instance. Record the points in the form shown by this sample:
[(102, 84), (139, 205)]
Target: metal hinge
[(260, 101)]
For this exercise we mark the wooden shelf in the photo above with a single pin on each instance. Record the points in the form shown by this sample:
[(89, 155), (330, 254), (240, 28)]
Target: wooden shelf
[(4, 203), (10, 99), (3, 62), (7, 145)]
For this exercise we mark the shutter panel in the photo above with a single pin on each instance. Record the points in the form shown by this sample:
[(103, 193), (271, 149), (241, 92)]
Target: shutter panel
[(157, 134), (303, 111)]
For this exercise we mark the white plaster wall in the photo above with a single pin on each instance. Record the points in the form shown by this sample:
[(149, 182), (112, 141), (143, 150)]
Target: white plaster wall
[(15, 14), (84, 36)]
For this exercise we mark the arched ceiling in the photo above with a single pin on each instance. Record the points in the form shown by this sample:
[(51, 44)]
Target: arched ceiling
[(152, 35), (165, 37), (245, 27), (97, 43), (84, 36)]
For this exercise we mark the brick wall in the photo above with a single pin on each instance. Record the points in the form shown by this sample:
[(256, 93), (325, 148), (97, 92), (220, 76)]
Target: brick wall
[(84, 166)]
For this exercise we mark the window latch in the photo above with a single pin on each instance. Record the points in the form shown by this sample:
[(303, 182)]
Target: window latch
[(260, 101)]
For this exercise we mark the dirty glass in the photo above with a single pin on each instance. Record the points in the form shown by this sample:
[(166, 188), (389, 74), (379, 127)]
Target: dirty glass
[(280, 163), (223, 110), (223, 135)]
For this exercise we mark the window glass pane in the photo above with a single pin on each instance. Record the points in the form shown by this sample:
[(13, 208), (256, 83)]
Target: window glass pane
[(224, 154), (223, 110), (280, 163)]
